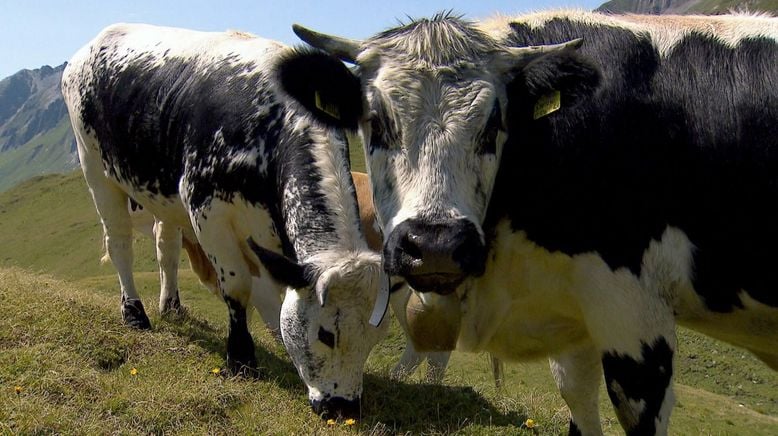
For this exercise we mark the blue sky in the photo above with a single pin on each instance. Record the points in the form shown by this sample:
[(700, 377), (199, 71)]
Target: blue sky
[(48, 32)]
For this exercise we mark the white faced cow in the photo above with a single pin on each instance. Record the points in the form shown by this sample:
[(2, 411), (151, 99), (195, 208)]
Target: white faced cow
[(195, 127), (582, 230)]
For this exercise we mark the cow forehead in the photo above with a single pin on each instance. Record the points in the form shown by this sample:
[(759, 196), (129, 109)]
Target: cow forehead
[(442, 41), (421, 98)]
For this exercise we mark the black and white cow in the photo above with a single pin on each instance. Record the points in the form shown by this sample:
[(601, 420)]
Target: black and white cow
[(266, 294), (195, 127), (582, 203)]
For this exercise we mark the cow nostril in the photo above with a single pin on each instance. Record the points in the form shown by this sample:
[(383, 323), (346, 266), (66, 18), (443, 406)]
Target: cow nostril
[(410, 246)]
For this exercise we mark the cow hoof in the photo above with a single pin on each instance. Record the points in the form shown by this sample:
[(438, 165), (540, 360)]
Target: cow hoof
[(134, 315), (242, 368), (172, 308)]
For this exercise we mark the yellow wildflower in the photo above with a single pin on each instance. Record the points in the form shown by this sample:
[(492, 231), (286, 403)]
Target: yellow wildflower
[(216, 370), (18, 390), (134, 371), (530, 423), (331, 421), (350, 421)]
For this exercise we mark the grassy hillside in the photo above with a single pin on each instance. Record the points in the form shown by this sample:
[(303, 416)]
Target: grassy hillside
[(62, 343)]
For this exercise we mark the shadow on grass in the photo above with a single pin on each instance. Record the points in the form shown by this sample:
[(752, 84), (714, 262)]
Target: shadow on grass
[(396, 405), (271, 367), (429, 408)]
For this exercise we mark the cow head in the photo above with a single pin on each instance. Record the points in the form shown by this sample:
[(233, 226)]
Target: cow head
[(436, 95), (325, 323)]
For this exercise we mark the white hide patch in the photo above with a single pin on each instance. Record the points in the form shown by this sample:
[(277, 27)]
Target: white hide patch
[(666, 31)]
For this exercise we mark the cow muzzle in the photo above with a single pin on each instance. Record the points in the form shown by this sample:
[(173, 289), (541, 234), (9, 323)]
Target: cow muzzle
[(337, 407), (435, 257)]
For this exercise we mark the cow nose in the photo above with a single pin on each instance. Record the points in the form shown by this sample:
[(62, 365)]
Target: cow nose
[(337, 407), (435, 257)]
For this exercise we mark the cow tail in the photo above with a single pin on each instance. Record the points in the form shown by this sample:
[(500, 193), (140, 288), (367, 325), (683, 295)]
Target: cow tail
[(106, 256)]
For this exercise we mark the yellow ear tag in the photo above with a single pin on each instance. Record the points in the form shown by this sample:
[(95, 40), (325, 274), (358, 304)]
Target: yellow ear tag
[(328, 109), (547, 104)]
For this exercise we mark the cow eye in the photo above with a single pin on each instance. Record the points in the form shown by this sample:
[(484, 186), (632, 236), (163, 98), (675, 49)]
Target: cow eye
[(383, 133), (488, 141), (326, 338), (377, 136), (376, 132)]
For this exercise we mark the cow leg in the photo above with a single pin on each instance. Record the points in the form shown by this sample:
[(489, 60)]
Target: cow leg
[(409, 361), (266, 298), (577, 373), (234, 282), (111, 204), (168, 238), (436, 365), (634, 329), (498, 371)]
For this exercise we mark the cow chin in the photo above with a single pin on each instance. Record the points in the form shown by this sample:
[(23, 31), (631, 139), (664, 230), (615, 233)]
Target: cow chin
[(443, 284), (337, 407)]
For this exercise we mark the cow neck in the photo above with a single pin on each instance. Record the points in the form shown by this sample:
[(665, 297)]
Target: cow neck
[(318, 195)]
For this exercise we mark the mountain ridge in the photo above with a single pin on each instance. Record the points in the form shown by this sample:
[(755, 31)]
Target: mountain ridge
[(684, 7), (35, 133)]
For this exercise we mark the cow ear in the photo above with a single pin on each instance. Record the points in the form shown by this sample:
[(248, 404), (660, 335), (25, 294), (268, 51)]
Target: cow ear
[(323, 85), (561, 74), (281, 268), (573, 75)]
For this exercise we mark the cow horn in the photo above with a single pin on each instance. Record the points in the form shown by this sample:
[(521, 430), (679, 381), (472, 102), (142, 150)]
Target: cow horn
[(343, 48), (381, 301), (525, 55)]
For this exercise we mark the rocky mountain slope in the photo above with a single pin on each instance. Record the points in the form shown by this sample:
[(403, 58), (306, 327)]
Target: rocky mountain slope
[(35, 133), (659, 7)]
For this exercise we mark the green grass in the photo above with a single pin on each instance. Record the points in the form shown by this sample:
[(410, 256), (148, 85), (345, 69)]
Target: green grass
[(61, 341)]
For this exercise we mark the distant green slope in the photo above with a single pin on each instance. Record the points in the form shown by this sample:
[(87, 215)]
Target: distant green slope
[(51, 152), (49, 224), (35, 135)]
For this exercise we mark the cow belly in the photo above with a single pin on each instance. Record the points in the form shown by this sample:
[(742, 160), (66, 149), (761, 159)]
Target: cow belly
[(167, 209), (527, 338)]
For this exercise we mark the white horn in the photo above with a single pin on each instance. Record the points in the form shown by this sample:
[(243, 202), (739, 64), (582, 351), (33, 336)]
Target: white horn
[(525, 55), (381, 301), (343, 48)]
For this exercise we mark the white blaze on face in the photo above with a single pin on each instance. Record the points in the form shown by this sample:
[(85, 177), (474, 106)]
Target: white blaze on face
[(329, 344), (428, 155)]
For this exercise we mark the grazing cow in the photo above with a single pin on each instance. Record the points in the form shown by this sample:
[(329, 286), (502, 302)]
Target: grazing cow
[(582, 228), (195, 127), (266, 298)]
